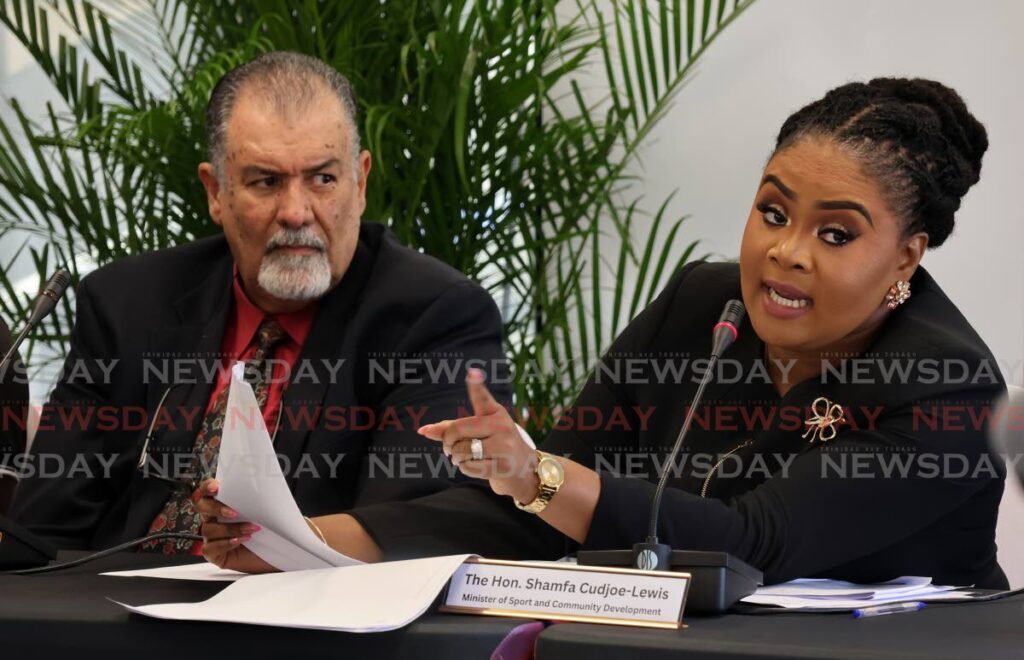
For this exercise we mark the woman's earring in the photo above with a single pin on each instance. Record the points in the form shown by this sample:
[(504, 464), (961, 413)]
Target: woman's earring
[(898, 294)]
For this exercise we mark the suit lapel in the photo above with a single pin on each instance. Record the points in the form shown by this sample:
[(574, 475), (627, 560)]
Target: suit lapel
[(186, 353), (311, 378)]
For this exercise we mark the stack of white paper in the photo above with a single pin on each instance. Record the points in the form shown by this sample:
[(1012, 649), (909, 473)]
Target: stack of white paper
[(251, 483), (204, 572), (835, 594), (363, 598)]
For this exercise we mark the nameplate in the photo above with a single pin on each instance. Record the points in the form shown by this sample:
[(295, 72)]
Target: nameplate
[(567, 592)]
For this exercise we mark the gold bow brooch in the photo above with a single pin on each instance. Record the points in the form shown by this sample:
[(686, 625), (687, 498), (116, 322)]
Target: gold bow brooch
[(822, 425)]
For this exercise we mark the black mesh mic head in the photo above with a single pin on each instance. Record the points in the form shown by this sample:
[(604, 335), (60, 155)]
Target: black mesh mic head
[(48, 297), (733, 313), (57, 284)]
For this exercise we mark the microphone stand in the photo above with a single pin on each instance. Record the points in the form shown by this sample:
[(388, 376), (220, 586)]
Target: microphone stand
[(717, 578)]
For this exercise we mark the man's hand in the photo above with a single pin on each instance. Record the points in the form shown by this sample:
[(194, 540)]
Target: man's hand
[(507, 462), (222, 542)]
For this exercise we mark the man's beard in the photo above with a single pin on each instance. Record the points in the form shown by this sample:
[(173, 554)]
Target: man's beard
[(295, 276)]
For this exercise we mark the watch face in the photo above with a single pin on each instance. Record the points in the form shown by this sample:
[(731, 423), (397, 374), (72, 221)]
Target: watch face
[(550, 472)]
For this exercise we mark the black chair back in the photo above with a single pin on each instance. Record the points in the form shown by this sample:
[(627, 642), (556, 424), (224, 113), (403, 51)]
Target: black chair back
[(13, 418)]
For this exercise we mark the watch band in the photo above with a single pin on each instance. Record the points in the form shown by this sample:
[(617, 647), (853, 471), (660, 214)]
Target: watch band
[(544, 492), (539, 503)]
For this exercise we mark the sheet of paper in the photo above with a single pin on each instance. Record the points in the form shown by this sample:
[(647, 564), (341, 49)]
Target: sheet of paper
[(203, 572), (836, 594), (789, 602), (361, 598), (251, 483), (810, 587)]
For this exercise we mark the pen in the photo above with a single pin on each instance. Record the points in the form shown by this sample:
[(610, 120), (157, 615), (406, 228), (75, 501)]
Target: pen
[(881, 610)]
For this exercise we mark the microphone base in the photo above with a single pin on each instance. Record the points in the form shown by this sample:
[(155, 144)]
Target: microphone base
[(651, 556), (717, 579)]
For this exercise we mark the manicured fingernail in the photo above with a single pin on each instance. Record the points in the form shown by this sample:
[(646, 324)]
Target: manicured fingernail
[(475, 375), (228, 513), (236, 540), (251, 529), (246, 538)]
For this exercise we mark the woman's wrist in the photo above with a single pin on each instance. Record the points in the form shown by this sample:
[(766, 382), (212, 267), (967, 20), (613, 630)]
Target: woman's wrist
[(527, 488), (521, 481), (316, 529)]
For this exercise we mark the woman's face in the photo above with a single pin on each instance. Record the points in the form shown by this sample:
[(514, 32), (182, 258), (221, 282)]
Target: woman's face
[(820, 250)]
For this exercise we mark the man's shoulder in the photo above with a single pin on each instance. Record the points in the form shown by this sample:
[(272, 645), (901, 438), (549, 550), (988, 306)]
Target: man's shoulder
[(407, 273), (161, 272)]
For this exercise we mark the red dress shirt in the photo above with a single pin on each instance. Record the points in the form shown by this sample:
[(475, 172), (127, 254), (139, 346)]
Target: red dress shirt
[(239, 344)]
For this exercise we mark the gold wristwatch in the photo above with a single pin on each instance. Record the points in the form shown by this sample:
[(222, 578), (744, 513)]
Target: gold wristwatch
[(551, 476)]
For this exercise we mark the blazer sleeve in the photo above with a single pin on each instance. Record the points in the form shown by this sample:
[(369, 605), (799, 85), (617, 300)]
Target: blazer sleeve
[(434, 509), (857, 495)]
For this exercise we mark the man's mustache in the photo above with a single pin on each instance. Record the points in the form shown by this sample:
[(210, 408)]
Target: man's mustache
[(305, 239)]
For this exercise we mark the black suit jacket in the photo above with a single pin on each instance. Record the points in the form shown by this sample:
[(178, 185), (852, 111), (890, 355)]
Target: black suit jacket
[(845, 509), (347, 441)]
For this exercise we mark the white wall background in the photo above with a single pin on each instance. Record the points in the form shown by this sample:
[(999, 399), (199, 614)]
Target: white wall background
[(782, 54)]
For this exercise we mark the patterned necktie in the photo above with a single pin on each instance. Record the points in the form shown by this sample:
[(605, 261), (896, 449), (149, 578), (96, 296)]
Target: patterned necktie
[(179, 514)]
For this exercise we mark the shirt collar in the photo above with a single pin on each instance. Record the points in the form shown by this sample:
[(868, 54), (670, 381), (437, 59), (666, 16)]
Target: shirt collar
[(248, 317)]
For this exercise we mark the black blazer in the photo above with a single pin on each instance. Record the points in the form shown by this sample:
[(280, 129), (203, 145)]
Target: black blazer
[(174, 304), (827, 509)]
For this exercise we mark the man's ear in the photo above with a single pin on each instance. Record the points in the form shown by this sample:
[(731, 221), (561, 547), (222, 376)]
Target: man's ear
[(910, 255), (208, 175), (364, 164)]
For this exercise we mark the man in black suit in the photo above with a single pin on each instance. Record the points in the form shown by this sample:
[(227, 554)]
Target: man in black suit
[(296, 275)]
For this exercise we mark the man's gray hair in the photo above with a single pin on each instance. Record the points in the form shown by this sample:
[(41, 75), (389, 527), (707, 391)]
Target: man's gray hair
[(288, 82)]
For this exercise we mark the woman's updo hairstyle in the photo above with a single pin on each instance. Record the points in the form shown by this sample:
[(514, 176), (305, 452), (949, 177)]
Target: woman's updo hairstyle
[(914, 136)]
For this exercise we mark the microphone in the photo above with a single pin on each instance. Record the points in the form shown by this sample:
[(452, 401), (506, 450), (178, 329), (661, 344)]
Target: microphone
[(717, 579), (651, 555), (727, 329), (41, 308)]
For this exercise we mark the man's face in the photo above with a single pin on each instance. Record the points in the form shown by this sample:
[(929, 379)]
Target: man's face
[(289, 198)]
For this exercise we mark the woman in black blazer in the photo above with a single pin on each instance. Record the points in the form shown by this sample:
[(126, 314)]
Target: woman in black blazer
[(844, 434)]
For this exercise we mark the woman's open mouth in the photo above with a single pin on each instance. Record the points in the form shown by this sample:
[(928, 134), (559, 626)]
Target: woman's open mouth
[(785, 302)]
